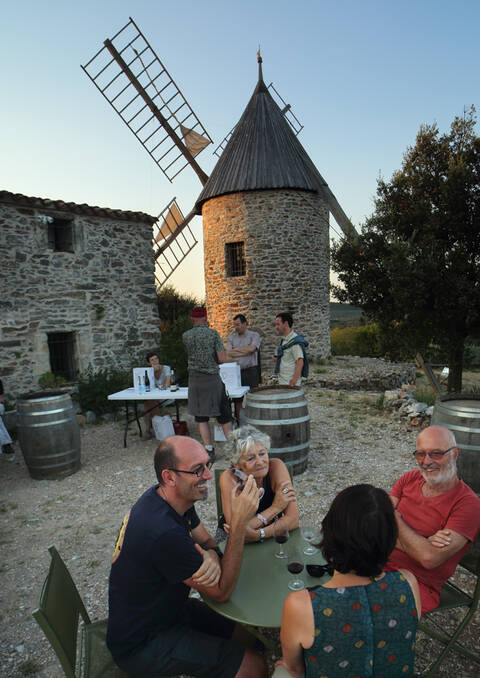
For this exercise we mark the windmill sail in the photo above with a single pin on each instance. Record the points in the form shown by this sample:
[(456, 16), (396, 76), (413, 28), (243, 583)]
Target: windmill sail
[(140, 89), (173, 240)]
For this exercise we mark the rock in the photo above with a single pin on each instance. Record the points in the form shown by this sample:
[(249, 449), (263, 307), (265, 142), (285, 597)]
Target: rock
[(90, 417), (108, 416), (81, 420)]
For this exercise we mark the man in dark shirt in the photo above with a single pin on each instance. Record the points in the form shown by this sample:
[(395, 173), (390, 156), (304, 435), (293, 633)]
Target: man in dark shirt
[(206, 392), (154, 628)]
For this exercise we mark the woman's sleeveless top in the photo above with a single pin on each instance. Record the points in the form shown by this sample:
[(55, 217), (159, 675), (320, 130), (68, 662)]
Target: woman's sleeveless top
[(363, 631), (267, 499)]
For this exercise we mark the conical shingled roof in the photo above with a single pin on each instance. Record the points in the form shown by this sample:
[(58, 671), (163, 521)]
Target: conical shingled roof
[(262, 153)]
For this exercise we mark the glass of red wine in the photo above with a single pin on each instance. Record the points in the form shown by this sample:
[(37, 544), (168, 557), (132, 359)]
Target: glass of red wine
[(281, 535), (295, 565)]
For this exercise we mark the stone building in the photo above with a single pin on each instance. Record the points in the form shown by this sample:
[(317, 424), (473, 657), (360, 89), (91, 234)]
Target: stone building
[(77, 288), (266, 231)]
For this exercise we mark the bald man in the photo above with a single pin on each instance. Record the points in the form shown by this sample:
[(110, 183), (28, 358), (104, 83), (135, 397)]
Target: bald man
[(163, 550), (438, 515)]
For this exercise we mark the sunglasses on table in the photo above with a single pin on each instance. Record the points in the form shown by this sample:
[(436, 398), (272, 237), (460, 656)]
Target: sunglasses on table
[(436, 455)]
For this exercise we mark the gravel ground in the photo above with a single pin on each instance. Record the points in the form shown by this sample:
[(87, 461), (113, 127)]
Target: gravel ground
[(351, 442)]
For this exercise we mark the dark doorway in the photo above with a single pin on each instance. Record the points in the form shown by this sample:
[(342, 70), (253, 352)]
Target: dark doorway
[(61, 347)]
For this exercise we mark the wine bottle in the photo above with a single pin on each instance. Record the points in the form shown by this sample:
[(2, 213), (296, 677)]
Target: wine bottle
[(147, 382), (173, 381)]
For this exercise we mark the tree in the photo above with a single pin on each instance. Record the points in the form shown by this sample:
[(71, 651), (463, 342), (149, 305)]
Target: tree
[(174, 310), (415, 268)]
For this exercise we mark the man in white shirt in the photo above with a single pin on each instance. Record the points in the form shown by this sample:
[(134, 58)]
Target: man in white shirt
[(289, 355), (242, 347)]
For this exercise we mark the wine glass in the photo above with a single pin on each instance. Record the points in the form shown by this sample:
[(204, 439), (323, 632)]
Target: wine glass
[(281, 535), (312, 535), (295, 565)]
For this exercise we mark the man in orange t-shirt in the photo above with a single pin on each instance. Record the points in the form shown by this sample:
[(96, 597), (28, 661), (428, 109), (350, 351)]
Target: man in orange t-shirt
[(438, 515)]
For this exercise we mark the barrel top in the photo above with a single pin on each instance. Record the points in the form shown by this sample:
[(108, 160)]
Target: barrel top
[(41, 396), (275, 388), (460, 402)]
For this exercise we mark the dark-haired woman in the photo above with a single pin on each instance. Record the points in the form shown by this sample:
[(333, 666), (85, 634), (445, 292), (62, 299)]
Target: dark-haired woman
[(363, 621)]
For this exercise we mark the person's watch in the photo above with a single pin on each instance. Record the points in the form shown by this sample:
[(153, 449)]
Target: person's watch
[(262, 534)]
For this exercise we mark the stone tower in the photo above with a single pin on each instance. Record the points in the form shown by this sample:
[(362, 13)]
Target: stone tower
[(266, 231)]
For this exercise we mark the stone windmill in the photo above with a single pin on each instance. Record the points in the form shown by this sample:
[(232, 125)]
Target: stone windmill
[(265, 207)]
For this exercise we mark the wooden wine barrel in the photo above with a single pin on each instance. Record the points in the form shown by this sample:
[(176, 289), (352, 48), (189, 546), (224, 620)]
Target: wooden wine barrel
[(49, 434), (282, 413), (460, 412)]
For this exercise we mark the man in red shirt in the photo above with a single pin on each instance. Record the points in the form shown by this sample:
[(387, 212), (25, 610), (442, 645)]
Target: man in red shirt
[(438, 515)]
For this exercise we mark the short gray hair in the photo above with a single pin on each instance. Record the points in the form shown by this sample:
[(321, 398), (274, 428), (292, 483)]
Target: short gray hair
[(243, 438)]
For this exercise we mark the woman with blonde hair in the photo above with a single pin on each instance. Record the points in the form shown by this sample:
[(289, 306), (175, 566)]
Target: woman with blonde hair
[(249, 456)]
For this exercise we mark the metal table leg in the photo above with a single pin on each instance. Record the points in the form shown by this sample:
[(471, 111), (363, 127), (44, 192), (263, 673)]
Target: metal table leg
[(126, 424)]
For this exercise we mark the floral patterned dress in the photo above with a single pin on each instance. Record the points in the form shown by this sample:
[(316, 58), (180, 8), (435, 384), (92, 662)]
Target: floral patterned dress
[(363, 631)]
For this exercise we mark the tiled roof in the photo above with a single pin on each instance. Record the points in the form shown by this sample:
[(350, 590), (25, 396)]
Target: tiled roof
[(20, 200)]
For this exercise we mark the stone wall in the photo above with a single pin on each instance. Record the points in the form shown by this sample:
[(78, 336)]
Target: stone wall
[(103, 292), (287, 265)]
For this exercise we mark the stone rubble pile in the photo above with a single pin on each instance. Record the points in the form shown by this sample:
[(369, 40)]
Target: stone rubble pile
[(352, 373), (403, 402)]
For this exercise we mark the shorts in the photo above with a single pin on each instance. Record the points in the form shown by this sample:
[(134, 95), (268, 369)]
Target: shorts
[(207, 398), (199, 645), (225, 413)]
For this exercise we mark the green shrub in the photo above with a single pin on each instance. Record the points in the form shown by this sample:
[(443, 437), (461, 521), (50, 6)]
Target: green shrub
[(361, 341), (95, 387), (49, 380), (172, 351), (426, 395)]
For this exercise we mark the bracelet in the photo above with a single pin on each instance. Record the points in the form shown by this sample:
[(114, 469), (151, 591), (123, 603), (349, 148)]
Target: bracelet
[(262, 534), (262, 519)]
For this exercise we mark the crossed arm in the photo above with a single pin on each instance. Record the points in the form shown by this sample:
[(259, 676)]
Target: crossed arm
[(212, 578), (430, 551)]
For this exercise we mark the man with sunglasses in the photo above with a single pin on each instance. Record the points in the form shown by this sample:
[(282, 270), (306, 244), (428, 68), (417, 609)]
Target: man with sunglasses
[(154, 628), (438, 515)]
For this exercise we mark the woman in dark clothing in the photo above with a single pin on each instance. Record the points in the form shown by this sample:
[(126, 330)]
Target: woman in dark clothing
[(250, 455), (363, 621)]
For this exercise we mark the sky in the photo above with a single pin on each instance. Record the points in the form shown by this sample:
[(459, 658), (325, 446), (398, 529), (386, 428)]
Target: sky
[(360, 76)]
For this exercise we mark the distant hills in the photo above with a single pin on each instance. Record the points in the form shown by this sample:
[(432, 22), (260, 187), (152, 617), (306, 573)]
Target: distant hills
[(344, 314)]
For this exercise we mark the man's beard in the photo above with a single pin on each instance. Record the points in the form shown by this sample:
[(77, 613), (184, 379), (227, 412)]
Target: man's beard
[(447, 473)]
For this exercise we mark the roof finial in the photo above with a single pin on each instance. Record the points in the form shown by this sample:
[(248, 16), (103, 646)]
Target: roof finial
[(259, 59)]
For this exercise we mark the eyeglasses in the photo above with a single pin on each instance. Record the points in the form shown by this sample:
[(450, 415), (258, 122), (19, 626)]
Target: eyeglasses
[(436, 455), (198, 472)]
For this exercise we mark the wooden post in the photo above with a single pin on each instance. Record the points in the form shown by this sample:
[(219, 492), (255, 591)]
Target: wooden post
[(428, 373)]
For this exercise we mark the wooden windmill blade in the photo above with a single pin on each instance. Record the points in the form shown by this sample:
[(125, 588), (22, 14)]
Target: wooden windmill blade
[(131, 77), (173, 240), (286, 109)]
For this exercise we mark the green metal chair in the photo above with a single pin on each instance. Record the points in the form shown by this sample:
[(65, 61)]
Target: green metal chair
[(451, 596), (58, 615)]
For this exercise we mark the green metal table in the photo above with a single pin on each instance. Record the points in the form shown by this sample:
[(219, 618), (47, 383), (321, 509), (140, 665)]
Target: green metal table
[(262, 585)]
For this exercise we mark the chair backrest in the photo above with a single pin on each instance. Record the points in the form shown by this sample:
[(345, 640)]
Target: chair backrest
[(59, 611), (471, 560)]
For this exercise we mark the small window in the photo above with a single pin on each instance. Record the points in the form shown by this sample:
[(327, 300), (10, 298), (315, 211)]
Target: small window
[(235, 259), (60, 234), (62, 358)]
